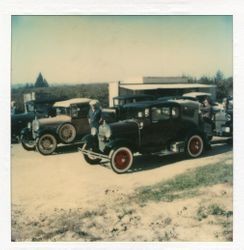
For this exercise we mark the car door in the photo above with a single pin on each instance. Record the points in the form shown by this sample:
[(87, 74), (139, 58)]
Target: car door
[(158, 131), (79, 115)]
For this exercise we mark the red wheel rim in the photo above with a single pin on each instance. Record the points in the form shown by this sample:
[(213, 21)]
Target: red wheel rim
[(195, 146), (122, 159)]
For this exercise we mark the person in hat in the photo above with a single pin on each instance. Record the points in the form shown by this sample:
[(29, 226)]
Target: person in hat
[(95, 114)]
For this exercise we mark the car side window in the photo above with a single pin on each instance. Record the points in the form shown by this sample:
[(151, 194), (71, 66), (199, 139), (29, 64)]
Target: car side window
[(83, 110), (160, 113)]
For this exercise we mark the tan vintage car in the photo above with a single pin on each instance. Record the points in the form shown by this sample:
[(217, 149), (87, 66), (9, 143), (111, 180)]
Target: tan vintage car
[(69, 125)]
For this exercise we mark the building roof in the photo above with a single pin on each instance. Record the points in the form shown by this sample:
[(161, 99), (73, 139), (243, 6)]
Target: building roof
[(155, 80), (69, 102), (166, 86), (131, 96)]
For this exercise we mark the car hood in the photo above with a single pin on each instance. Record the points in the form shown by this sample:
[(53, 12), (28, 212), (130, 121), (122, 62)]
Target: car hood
[(124, 128), (54, 120), (23, 116)]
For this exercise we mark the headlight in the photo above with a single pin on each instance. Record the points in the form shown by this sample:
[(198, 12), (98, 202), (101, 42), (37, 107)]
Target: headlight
[(35, 125), (108, 132), (29, 125), (93, 131)]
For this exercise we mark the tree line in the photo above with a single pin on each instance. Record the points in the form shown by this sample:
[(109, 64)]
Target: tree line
[(224, 86)]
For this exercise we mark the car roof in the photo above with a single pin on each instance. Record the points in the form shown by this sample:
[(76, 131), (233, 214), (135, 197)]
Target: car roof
[(195, 94), (69, 102), (148, 104), (121, 97)]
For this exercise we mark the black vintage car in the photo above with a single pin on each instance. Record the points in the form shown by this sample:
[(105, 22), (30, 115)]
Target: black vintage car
[(117, 112), (35, 108), (223, 118), (221, 114), (69, 125), (122, 100), (152, 127)]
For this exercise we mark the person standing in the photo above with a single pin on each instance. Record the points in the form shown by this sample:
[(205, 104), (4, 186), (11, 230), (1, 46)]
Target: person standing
[(206, 110), (95, 114)]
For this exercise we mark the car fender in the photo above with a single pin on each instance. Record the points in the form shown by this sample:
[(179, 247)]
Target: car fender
[(48, 130), (26, 132)]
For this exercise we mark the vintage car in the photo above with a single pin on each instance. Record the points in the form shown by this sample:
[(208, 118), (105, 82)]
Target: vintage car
[(122, 100), (35, 108), (223, 118), (117, 112), (152, 127), (196, 96), (70, 124), (222, 114)]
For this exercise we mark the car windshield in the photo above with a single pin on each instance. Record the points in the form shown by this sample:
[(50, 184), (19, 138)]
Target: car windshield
[(30, 107), (62, 111), (119, 102), (135, 112)]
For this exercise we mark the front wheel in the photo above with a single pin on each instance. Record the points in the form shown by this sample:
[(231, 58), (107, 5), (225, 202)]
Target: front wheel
[(46, 144), (194, 146), (89, 158), (28, 144), (121, 159)]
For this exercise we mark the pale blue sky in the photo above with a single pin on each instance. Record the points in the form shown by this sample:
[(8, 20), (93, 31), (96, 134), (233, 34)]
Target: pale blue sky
[(76, 49)]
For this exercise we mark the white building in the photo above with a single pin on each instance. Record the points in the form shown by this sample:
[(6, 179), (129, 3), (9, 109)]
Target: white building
[(156, 85)]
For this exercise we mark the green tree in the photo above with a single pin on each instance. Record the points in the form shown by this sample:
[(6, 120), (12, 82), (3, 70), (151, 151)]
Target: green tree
[(219, 77), (45, 83), (205, 80), (224, 85), (41, 82)]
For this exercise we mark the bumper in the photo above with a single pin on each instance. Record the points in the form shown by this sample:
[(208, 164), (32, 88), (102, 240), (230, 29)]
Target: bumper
[(94, 154), (225, 131)]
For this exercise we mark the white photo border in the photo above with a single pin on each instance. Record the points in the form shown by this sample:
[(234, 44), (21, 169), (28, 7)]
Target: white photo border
[(121, 7)]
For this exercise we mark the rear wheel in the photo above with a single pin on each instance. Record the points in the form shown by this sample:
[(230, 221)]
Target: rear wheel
[(121, 159), (194, 146), (89, 158), (46, 144)]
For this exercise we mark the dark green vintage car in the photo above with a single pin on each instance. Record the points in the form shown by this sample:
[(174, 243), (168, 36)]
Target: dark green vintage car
[(35, 108), (69, 125), (151, 127)]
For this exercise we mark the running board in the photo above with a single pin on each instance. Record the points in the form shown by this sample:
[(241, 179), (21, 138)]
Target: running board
[(165, 152)]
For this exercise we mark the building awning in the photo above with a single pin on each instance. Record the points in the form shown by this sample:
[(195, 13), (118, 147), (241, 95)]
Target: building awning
[(165, 86)]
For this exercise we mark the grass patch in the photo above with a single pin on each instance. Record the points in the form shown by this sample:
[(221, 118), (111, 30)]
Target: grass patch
[(213, 209), (183, 185)]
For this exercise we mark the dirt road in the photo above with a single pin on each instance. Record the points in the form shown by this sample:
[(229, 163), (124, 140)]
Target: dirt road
[(45, 184)]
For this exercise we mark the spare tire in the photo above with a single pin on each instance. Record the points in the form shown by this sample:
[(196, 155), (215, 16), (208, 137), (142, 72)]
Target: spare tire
[(67, 133)]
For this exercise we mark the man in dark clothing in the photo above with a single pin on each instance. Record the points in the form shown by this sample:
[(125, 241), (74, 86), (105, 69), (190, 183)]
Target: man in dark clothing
[(95, 114), (206, 110)]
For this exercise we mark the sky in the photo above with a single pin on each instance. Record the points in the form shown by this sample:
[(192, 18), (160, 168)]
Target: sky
[(79, 49)]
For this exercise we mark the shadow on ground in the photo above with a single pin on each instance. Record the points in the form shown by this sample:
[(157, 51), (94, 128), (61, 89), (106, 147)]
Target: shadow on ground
[(148, 162), (66, 149)]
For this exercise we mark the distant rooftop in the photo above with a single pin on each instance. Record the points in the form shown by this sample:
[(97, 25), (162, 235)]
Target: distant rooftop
[(166, 86), (155, 80)]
